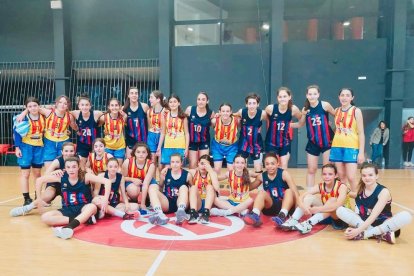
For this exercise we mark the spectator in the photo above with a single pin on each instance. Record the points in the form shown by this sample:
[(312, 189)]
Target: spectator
[(408, 142), (378, 140)]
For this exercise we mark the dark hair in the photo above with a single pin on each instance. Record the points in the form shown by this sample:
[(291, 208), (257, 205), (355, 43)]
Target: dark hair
[(144, 145), (350, 90), (67, 100), (181, 114), (81, 173), (330, 166), (253, 96), (205, 157), (385, 124), (283, 88), (31, 100), (271, 154), (112, 159), (225, 104), (109, 102), (83, 97), (127, 101), (361, 184), (159, 95), (245, 177), (176, 155), (205, 94), (101, 140), (307, 103)]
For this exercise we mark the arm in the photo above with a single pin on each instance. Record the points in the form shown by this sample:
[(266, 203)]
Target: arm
[(214, 178), (269, 109), (145, 107), (302, 120), (224, 176), (313, 191), (238, 113), (73, 124), (17, 142), (256, 183), (97, 186), (53, 167), (45, 111), (145, 184), (124, 195), (45, 179), (264, 116), (89, 177), (188, 110), (298, 115), (333, 203), (96, 115), (162, 136), (101, 120), (328, 107), (187, 137), (386, 136), (361, 135), (190, 179), (373, 135)]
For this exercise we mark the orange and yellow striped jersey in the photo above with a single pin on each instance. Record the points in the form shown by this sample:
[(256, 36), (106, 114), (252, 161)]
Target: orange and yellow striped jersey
[(114, 132), (135, 172), (35, 134), (201, 183), (226, 134), (346, 133), (98, 165), (154, 122), (238, 191), (325, 195), (57, 127), (174, 136)]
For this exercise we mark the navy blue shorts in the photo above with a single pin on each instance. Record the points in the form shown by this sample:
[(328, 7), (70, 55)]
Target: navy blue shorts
[(253, 156), (274, 209), (172, 205), (71, 211), (195, 146), (315, 150), (279, 151), (83, 150), (57, 186)]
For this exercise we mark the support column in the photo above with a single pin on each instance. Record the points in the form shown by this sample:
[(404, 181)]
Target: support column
[(62, 43), (165, 43), (396, 14), (312, 29)]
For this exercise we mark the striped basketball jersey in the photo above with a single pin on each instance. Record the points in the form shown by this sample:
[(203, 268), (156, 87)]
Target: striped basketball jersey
[(98, 165), (136, 126), (226, 134), (365, 204), (114, 197), (278, 132), (36, 128), (154, 124), (172, 185), (74, 195), (346, 133), (238, 191), (135, 172), (319, 131), (275, 187), (326, 195), (57, 127), (87, 129), (202, 182), (114, 132), (174, 128), (250, 137), (199, 127)]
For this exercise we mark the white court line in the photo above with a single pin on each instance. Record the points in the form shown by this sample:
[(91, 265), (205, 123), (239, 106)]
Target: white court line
[(156, 263), (1, 202), (403, 207)]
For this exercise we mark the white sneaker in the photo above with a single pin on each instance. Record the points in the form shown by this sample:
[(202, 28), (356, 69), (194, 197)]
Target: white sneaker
[(303, 227), (410, 164), (218, 212), (289, 224), (406, 164), (20, 211), (63, 233)]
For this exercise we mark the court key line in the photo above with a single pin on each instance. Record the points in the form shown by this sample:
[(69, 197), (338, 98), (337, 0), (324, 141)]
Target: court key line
[(156, 263)]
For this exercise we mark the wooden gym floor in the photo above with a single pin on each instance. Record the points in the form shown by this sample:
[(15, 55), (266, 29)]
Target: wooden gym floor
[(29, 247)]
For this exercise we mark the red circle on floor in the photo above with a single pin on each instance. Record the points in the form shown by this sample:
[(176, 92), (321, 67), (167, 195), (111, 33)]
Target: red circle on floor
[(222, 233)]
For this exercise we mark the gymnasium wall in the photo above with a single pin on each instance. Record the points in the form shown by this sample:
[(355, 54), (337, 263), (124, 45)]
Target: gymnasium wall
[(409, 74)]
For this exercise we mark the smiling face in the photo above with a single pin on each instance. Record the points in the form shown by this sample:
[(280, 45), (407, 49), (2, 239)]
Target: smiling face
[(239, 164), (202, 100), (173, 103), (114, 106), (369, 177), (62, 104), (328, 175), (252, 105), (84, 105), (312, 95), (112, 167), (271, 165), (283, 97), (225, 112), (153, 100), (33, 108), (68, 151), (99, 148), (133, 95), (346, 97)]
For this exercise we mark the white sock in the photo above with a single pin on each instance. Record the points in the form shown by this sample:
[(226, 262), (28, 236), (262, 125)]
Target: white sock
[(229, 212), (244, 212), (390, 225), (158, 210), (30, 207), (256, 211), (297, 214), (349, 217), (316, 218), (284, 211), (119, 213)]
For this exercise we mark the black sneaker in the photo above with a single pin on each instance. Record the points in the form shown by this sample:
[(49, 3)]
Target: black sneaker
[(338, 224), (193, 217), (27, 201), (205, 217), (91, 220)]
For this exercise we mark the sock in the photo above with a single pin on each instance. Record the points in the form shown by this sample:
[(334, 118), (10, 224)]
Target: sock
[(349, 217), (30, 206), (284, 211), (181, 206), (390, 225), (72, 224), (26, 195), (316, 218), (158, 210), (244, 212), (119, 213), (256, 211), (229, 212), (297, 214)]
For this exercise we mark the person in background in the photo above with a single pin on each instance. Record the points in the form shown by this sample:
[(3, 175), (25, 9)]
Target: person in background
[(378, 140), (408, 142)]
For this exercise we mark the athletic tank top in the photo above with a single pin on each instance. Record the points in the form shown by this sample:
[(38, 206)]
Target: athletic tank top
[(36, 128), (154, 124), (278, 131), (135, 172), (174, 136), (114, 132), (226, 134), (98, 166), (238, 191), (250, 138), (172, 186), (74, 195), (201, 183), (136, 126), (318, 129), (88, 129), (366, 204), (199, 127), (57, 127), (325, 195), (114, 197), (346, 133), (275, 188)]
